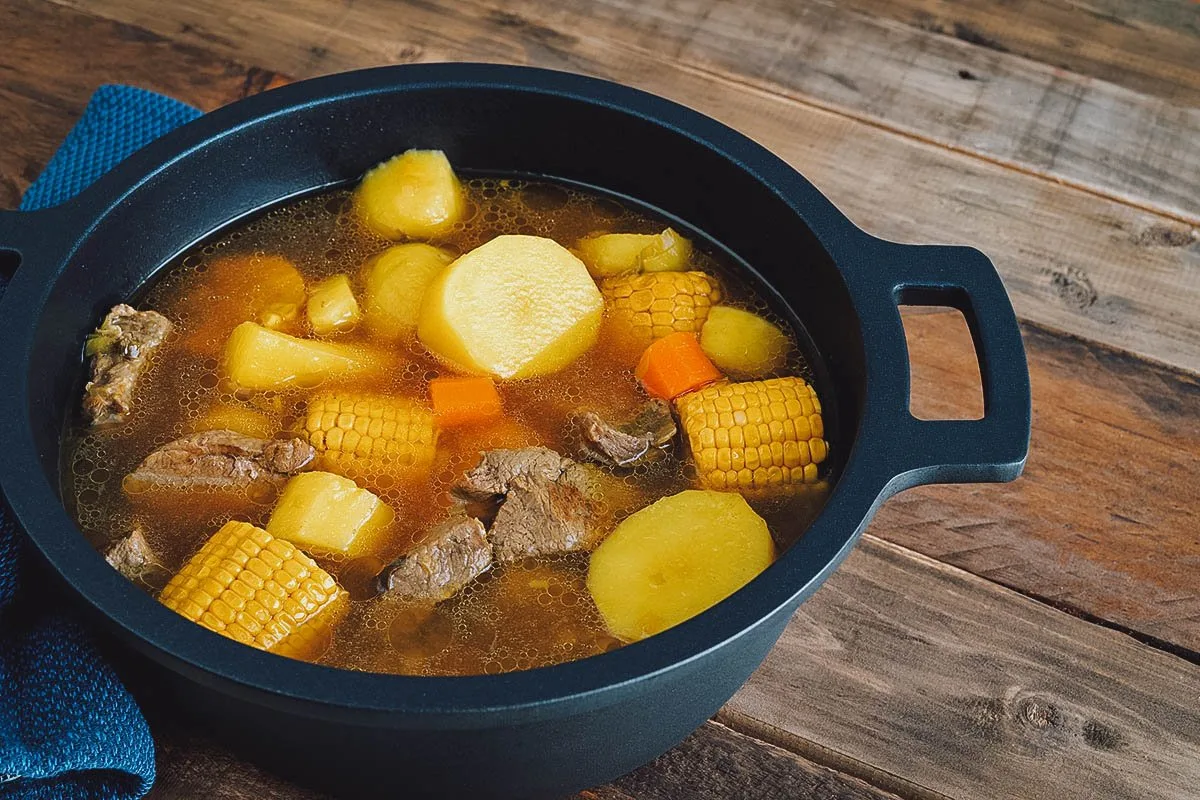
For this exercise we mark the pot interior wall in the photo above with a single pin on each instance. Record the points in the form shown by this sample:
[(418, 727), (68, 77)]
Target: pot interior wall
[(480, 128)]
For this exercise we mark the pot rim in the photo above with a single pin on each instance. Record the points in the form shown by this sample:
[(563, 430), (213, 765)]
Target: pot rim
[(377, 698)]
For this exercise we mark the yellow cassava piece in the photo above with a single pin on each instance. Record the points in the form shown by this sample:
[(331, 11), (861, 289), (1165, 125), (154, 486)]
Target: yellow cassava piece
[(331, 306), (414, 194), (259, 590), (515, 307), (674, 559), (327, 514), (258, 358)]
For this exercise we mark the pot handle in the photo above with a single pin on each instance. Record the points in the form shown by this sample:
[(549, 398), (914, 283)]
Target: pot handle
[(991, 449), (26, 235)]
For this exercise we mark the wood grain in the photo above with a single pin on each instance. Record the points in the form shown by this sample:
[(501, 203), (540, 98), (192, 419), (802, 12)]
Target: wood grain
[(954, 686), (1064, 253), (1150, 46), (1104, 519), (944, 88), (47, 76), (714, 763)]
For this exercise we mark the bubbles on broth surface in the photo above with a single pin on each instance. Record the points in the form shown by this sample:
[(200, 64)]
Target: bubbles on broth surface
[(516, 616)]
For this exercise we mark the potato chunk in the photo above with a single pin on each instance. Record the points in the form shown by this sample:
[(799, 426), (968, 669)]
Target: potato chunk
[(327, 514), (512, 308), (332, 307), (414, 194), (743, 344), (674, 559), (395, 282), (257, 358), (611, 254)]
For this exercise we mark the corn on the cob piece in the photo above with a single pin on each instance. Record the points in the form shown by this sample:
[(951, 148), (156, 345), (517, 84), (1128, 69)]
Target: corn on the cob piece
[(655, 304), (364, 435), (258, 590), (758, 437)]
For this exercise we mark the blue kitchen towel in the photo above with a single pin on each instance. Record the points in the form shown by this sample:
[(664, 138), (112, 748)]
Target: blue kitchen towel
[(68, 729)]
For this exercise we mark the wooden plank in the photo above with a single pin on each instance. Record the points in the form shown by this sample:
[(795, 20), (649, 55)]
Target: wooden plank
[(1148, 46), (46, 78), (1104, 519), (947, 89), (714, 763), (1070, 127), (1066, 255), (961, 688)]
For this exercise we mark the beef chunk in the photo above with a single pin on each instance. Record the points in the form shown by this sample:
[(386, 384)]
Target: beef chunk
[(221, 459), (132, 557), (456, 553), (545, 502), (120, 350), (642, 439)]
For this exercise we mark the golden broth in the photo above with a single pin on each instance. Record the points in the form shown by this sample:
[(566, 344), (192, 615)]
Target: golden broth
[(515, 617)]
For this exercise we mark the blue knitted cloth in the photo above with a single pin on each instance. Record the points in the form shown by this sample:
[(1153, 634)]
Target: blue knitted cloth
[(68, 729)]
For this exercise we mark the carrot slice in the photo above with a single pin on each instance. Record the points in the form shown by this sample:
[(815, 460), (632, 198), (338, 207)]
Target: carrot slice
[(464, 401), (675, 364)]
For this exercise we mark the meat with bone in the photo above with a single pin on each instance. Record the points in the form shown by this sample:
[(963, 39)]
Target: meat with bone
[(120, 350)]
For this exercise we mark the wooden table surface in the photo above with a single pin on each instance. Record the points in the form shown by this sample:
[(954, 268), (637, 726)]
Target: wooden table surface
[(1033, 640)]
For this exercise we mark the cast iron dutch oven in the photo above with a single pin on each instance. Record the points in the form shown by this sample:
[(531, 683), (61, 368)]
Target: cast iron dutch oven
[(545, 731)]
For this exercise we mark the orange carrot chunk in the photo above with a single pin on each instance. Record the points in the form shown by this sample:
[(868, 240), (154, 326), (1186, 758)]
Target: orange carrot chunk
[(464, 401), (675, 364)]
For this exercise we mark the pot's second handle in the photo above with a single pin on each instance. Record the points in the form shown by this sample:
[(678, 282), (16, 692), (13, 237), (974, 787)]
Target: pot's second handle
[(26, 234), (990, 449)]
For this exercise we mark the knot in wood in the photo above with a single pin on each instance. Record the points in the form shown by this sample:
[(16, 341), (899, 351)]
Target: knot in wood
[(1039, 714)]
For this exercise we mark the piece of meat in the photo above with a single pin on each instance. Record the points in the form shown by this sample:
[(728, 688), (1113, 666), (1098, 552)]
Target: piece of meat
[(132, 557), (545, 502), (642, 439), (456, 553), (221, 459), (120, 350)]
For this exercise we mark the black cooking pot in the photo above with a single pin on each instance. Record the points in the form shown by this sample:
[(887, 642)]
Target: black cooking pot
[(543, 731)]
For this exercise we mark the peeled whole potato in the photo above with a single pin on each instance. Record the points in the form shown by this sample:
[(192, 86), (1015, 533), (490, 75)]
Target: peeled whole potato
[(414, 194), (515, 307), (742, 343), (676, 558), (395, 282)]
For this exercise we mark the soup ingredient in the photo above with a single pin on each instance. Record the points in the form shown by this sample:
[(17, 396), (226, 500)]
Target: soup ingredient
[(610, 254), (742, 343), (455, 553), (133, 557), (237, 419), (676, 558), (759, 437), (219, 460), (368, 435), (395, 282), (546, 502), (332, 307), (464, 401), (414, 194), (246, 584), (655, 304), (668, 252), (257, 358), (329, 515), (514, 307), (673, 365), (257, 287), (120, 349), (640, 440)]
